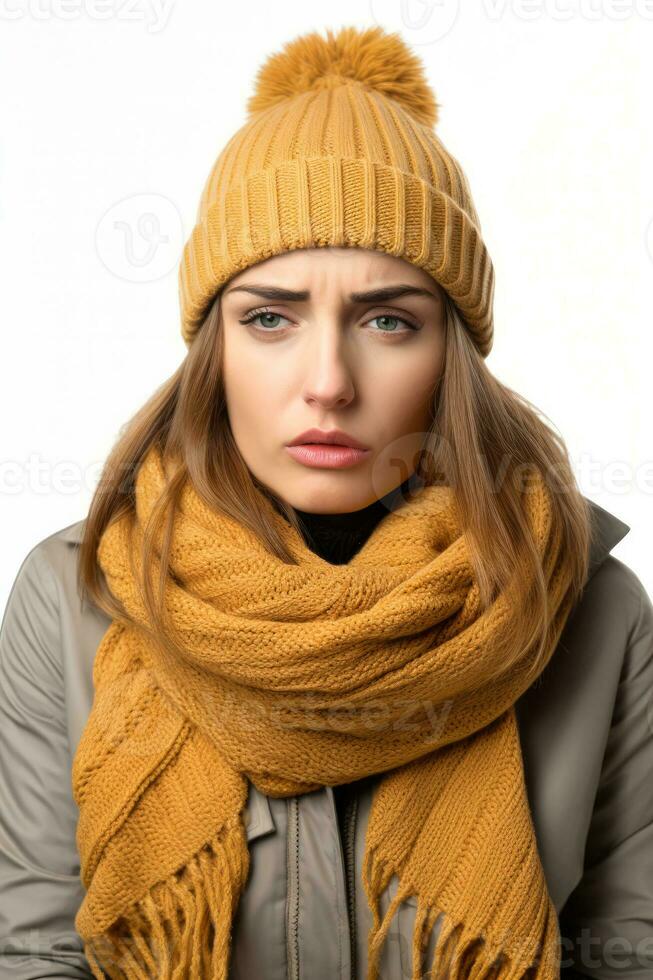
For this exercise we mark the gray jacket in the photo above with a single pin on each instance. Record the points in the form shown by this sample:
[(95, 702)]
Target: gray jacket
[(586, 734)]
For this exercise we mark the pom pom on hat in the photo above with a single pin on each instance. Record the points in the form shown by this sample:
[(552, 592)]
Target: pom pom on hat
[(370, 56)]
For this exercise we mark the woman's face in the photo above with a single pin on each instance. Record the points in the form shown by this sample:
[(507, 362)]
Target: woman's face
[(325, 349)]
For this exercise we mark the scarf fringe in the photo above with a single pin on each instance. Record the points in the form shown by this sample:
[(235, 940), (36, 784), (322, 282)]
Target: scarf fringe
[(459, 954), (181, 928)]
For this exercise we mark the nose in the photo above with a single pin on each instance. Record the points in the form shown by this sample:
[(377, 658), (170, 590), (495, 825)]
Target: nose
[(328, 377)]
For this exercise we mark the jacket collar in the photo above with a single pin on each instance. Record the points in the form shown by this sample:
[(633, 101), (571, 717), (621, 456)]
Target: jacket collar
[(607, 531), (73, 532)]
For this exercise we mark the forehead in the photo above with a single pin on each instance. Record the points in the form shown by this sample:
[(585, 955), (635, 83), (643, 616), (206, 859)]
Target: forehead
[(332, 265)]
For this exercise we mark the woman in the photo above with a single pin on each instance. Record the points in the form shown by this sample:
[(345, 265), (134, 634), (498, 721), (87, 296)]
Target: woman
[(275, 709)]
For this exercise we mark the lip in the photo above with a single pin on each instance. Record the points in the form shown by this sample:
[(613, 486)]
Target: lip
[(332, 437), (325, 456)]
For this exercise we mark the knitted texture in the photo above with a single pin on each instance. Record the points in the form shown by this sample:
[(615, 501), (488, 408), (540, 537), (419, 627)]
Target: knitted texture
[(339, 149), (296, 677)]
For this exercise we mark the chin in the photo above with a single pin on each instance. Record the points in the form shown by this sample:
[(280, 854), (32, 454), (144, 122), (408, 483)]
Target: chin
[(328, 492)]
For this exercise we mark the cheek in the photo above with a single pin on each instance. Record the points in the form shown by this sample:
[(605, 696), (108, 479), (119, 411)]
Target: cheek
[(253, 388), (403, 391)]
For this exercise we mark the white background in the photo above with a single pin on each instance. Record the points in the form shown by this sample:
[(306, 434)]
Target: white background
[(113, 111)]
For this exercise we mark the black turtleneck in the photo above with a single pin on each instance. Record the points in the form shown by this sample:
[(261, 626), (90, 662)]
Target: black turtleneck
[(336, 538)]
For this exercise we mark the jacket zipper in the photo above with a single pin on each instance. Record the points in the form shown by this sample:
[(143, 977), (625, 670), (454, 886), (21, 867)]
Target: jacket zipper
[(350, 869), (292, 889)]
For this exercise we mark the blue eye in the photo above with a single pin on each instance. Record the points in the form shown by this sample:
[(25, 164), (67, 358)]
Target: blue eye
[(397, 319), (257, 314)]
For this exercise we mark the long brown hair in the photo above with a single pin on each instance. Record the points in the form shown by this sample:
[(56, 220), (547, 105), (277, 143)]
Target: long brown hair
[(484, 440)]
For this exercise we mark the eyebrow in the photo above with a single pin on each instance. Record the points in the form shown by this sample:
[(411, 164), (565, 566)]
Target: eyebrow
[(302, 295)]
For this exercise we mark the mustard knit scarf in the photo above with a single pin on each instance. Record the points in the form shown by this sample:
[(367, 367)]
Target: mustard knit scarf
[(297, 676)]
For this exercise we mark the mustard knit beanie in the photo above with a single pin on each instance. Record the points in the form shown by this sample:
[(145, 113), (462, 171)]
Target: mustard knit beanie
[(339, 149)]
